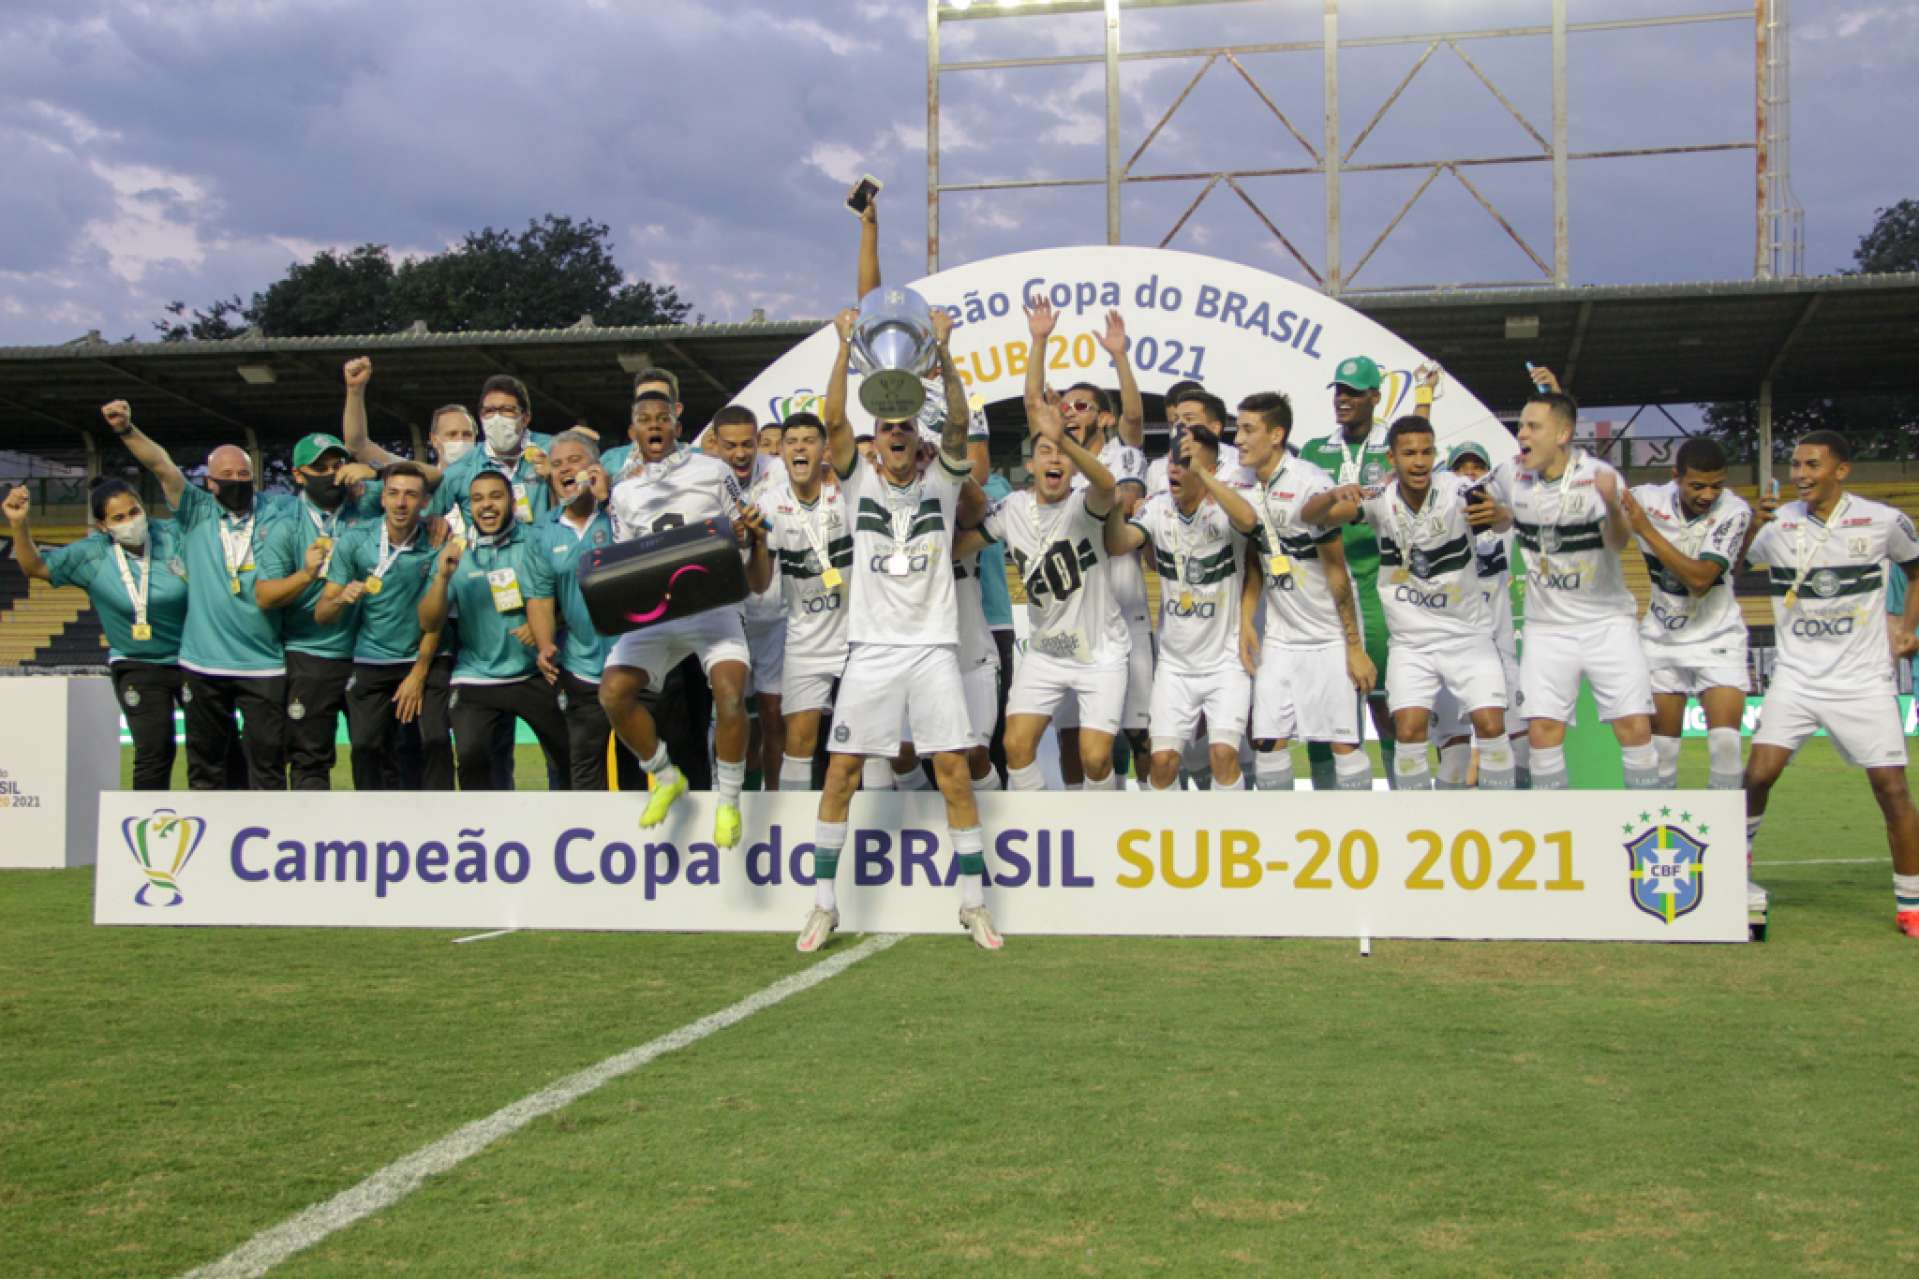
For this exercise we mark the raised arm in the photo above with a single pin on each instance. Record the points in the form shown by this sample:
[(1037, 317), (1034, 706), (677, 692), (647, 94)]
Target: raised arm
[(173, 483), (869, 271), (1334, 507), (433, 607), (1238, 510), (1122, 536), (841, 450), (1132, 410), (958, 416), (1100, 482), (18, 504), (353, 432), (1041, 320), (1613, 528)]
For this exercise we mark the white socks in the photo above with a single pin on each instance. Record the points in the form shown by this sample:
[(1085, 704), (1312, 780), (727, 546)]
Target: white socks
[(660, 768), (1549, 768), (1032, 777), (1667, 748), (728, 778), (1238, 783), (1905, 891), (1495, 763), (971, 846), (828, 839), (1410, 769), (989, 782), (1273, 770), (1722, 748), (876, 774), (1353, 770), (1642, 766), (796, 773), (1455, 762), (913, 778), (1108, 782)]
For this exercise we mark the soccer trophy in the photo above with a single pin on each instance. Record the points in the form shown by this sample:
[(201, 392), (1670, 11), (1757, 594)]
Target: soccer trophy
[(893, 349)]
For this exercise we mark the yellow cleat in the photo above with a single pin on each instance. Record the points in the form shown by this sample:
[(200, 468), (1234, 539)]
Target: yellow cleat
[(660, 800), (726, 825)]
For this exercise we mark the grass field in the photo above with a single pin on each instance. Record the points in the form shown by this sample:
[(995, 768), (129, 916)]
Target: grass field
[(1071, 1106)]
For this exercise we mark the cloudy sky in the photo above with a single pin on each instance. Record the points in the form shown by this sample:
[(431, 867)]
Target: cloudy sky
[(194, 148)]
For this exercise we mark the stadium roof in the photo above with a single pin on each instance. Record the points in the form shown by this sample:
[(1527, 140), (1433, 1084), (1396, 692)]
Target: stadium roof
[(1628, 344)]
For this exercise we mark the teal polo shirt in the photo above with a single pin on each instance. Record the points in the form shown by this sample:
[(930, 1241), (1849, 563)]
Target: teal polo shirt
[(298, 523), (385, 626), (556, 574), (523, 475), (489, 654), (91, 565), (226, 633)]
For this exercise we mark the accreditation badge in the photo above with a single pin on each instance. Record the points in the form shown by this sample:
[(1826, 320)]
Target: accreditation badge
[(831, 578), (505, 584)]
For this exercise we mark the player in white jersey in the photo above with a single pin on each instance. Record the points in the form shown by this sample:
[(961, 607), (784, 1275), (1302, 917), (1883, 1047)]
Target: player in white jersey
[(736, 442), (1435, 608), (903, 656), (1826, 555), (807, 560), (667, 486), (1691, 530), (1078, 645), (1568, 520), (1312, 669), (1197, 535), (1493, 549)]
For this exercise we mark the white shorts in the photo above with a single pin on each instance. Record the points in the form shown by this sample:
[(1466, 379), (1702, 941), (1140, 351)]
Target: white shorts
[(1042, 683), (1224, 696), (981, 686), (1467, 668), (807, 690), (887, 686), (1866, 729), (767, 643), (1606, 652), (1694, 680), (714, 636), (1137, 714), (1304, 694)]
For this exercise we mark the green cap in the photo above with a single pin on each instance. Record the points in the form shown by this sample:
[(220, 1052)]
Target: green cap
[(1358, 372), (1469, 449), (316, 446)]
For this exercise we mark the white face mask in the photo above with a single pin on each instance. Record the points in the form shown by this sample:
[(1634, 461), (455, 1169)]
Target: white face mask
[(130, 533), (502, 432), (452, 451)]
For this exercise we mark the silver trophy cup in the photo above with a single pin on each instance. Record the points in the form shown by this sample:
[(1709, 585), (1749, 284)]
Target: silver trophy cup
[(893, 348)]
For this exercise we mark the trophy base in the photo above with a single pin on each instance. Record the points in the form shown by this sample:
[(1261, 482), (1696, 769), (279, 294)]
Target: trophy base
[(892, 395)]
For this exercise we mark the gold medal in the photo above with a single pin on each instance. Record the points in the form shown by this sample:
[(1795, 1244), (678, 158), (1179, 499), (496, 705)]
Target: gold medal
[(1544, 567), (374, 585), (233, 586), (1792, 599), (1400, 575), (1186, 601), (459, 542), (1278, 565), (142, 632), (324, 543), (831, 578)]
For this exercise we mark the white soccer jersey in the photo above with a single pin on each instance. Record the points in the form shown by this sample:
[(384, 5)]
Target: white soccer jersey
[(1571, 575), (1676, 618), (1828, 585), (975, 636), (804, 542), (768, 606), (1299, 606), (1429, 582), (1124, 574), (1060, 551), (685, 487), (903, 554), (1198, 559), (1493, 553), (1229, 469)]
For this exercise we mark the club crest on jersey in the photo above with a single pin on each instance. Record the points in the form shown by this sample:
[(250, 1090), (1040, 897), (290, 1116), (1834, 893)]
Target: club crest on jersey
[(1421, 563), (1824, 583), (1666, 868), (1856, 547)]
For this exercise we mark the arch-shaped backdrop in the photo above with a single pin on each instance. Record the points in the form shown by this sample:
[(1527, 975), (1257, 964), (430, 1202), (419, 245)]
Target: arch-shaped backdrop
[(1234, 327)]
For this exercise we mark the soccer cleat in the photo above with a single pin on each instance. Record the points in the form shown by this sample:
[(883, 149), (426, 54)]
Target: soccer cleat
[(1909, 922), (1756, 899), (726, 825), (660, 799), (977, 921), (820, 924)]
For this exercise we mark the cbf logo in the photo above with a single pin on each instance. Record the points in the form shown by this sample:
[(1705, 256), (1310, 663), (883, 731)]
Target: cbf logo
[(1667, 866), (162, 844), (803, 400)]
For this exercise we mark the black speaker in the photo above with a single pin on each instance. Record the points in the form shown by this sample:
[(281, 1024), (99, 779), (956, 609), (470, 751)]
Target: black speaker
[(662, 577)]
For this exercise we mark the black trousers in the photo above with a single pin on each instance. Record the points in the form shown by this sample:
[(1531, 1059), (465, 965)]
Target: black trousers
[(211, 701), (996, 748), (316, 698), (376, 733), (682, 711), (587, 733), (479, 709), (147, 694)]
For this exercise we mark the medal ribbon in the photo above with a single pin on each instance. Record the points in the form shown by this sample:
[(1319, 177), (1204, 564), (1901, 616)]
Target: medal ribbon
[(139, 596), (1803, 551)]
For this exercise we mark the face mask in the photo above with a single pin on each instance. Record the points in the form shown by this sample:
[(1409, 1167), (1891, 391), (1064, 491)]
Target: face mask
[(325, 492), (452, 451), (130, 533), (502, 432), (235, 495)]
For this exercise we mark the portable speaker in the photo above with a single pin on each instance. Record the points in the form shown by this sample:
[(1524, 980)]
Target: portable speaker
[(662, 577)]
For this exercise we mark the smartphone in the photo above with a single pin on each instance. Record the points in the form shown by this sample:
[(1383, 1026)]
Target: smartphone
[(861, 196), (1772, 489), (1474, 495), (1537, 385)]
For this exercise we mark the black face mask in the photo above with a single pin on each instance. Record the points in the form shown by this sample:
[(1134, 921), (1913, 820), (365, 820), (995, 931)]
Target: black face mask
[(235, 495), (325, 492)]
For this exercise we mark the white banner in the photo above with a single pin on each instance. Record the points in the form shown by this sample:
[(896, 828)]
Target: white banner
[(1579, 865), (1233, 327), (55, 763)]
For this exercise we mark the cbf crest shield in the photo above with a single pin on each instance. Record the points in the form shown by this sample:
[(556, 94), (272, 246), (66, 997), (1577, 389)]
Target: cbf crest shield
[(1667, 872)]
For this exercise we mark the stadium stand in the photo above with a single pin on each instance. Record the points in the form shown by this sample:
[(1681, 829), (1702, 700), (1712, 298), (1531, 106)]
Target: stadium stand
[(43, 626)]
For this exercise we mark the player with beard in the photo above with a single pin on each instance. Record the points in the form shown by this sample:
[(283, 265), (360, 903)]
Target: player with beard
[(667, 486), (1435, 607), (736, 442), (1569, 522), (1313, 671), (1827, 555), (902, 661)]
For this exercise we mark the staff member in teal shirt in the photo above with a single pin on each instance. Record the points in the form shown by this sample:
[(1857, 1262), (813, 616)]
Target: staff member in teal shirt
[(293, 566), (230, 648), (373, 589), (579, 523), (133, 575), (495, 678)]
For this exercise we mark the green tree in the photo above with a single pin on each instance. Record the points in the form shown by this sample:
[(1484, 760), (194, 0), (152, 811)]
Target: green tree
[(1879, 426), (216, 322), (349, 292)]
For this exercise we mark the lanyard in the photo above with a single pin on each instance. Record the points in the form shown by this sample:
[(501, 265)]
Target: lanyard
[(902, 514), (1804, 551), (389, 552), (1559, 504), (1046, 531), (137, 596), (1352, 460), (236, 546), (1405, 526), (324, 525), (1265, 513), (813, 532), (1184, 530)]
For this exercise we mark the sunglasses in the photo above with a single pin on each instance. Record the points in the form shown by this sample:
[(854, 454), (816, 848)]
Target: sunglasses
[(895, 426), (1078, 406)]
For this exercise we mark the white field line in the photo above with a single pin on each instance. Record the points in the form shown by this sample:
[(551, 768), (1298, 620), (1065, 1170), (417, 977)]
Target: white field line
[(1829, 861), (403, 1176), (498, 932)]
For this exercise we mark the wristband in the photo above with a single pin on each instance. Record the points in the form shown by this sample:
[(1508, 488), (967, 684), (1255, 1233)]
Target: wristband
[(1423, 396)]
